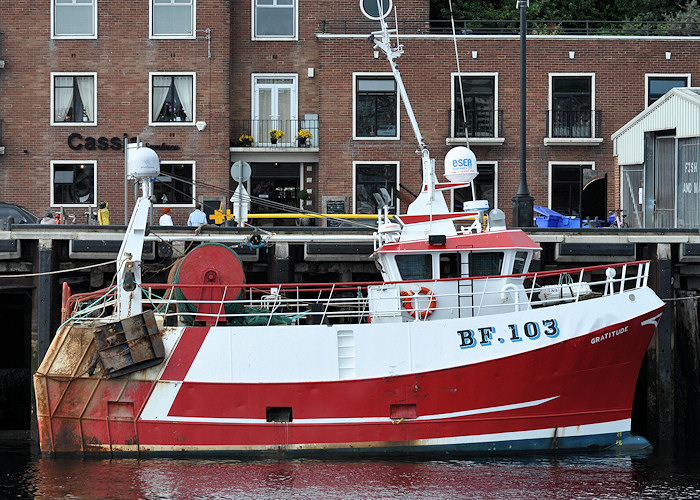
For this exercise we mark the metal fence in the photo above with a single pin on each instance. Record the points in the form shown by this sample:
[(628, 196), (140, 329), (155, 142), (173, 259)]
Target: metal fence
[(573, 124), (480, 123), (512, 27), (270, 133)]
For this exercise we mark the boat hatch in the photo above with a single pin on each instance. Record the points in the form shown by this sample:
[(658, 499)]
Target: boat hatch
[(129, 345)]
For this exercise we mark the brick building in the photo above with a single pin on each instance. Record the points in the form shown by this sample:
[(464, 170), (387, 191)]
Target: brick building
[(192, 78)]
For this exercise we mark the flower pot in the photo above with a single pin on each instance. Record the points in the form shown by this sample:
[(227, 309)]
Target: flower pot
[(302, 141), (273, 140)]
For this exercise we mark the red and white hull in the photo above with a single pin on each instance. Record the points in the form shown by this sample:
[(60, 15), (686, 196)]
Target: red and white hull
[(557, 377)]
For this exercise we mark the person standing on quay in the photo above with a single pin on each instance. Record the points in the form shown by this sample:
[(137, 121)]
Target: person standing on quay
[(197, 217), (165, 219)]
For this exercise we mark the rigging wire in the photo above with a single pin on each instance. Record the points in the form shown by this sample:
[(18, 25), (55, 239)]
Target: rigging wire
[(459, 76)]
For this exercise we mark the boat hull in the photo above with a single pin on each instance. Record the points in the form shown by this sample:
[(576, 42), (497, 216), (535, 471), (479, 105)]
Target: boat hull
[(572, 392)]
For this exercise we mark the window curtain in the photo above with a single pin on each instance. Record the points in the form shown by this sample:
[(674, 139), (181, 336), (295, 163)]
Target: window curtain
[(183, 85), (63, 96), (161, 86), (86, 89)]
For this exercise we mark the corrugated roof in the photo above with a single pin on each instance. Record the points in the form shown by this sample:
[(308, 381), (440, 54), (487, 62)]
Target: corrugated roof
[(678, 109)]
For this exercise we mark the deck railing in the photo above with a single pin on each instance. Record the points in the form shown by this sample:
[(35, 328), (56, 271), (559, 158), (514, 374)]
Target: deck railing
[(260, 132), (347, 303)]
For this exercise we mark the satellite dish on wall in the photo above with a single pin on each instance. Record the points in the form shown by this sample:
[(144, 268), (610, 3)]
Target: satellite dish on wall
[(375, 9)]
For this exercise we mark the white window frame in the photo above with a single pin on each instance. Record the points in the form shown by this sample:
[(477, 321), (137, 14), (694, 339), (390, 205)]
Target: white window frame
[(158, 204), (153, 123), (53, 100), (293, 113), (82, 37), (453, 92), (355, 137), (549, 174), (375, 162), (569, 140), (648, 76), (476, 181), (53, 164), (295, 15), (193, 27)]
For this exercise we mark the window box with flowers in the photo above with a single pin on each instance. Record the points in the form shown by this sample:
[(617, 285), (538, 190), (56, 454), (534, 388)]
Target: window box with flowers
[(275, 135), (303, 136), (246, 140)]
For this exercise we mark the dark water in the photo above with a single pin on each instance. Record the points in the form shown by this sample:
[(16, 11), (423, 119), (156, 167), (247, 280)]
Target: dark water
[(26, 474)]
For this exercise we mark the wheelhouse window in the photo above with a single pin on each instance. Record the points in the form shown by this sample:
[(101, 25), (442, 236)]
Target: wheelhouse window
[(415, 266), (450, 265), (73, 184), (74, 18), (173, 99), (375, 182), (74, 98), (173, 18), (175, 184), (572, 105), (485, 263), (519, 262), (274, 19), (478, 93), (484, 185), (376, 107), (659, 85)]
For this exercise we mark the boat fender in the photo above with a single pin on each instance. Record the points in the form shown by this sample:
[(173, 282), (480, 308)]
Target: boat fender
[(407, 302)]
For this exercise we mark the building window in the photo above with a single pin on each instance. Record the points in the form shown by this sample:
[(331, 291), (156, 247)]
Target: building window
[(175, 183), (173, 99), (74, 18), (484, 185), (274, 19), (571, 106), (478, 92), (74, 98), (658, 85), (578, 190), (73, 184), (376, 107), (275, 108), (374, 180), (274, 186), (173, 18)]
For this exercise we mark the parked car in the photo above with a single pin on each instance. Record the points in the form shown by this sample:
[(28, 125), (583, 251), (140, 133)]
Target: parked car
[(20, 214)]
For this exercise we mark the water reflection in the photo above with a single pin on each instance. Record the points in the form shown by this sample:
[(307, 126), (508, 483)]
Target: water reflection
[(26, 474)]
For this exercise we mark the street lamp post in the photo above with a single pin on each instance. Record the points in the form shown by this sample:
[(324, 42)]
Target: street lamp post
[(522, 201)]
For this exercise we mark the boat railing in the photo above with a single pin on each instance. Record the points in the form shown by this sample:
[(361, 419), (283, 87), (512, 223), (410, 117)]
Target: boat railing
[(342, 303)]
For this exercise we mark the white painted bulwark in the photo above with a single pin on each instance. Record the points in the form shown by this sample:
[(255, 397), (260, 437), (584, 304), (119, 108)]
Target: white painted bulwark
[(679, 109)]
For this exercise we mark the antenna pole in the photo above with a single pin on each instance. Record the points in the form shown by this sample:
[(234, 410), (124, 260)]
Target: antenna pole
[(382, 41)]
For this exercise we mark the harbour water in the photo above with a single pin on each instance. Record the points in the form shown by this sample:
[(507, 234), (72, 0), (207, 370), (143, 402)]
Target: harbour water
[(24, 473)]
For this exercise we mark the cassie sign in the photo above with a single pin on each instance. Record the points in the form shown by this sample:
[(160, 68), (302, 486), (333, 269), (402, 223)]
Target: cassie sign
[(77, 142)]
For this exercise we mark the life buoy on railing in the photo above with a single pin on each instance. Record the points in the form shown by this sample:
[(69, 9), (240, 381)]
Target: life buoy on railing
[(407, 302)]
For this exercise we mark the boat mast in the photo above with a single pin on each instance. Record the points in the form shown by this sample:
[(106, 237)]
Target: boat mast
[(143, 165), (382, 40)]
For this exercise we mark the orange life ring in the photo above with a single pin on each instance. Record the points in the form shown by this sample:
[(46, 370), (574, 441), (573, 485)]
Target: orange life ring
[(407, 302)]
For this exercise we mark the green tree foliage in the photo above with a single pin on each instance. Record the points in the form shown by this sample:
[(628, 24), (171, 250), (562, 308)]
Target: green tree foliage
[(564, 10)]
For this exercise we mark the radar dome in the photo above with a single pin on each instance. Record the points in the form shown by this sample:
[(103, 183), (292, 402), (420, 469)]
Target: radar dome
[(143, 162), (460, 164)]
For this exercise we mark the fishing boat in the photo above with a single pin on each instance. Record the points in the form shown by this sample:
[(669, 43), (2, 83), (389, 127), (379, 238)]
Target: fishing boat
[(459, 349)]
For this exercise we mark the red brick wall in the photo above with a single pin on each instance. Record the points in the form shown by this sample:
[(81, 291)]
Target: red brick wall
[(122, 56)]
